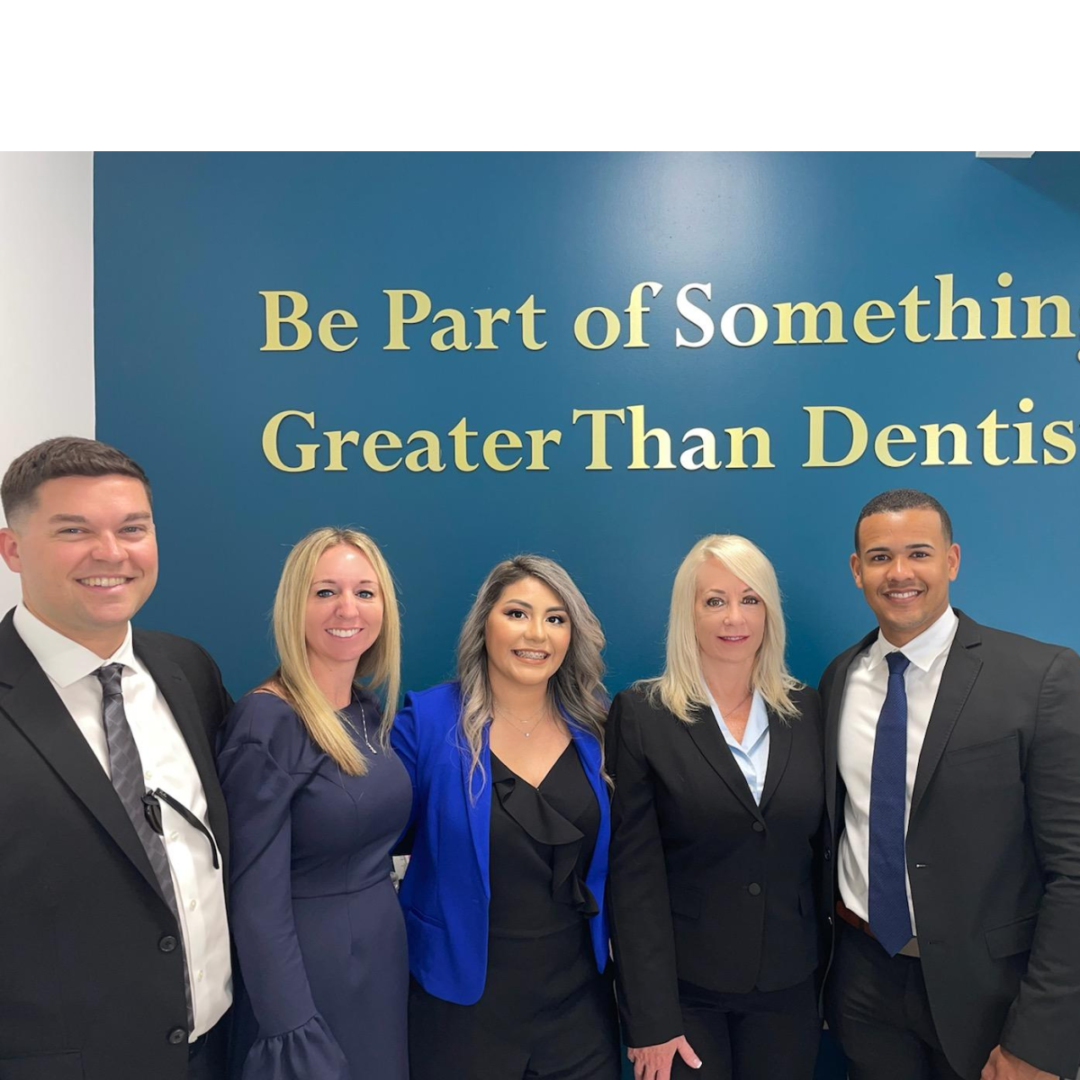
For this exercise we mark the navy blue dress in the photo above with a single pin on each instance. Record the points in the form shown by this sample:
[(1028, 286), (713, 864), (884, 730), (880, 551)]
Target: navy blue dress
[(316, 923)]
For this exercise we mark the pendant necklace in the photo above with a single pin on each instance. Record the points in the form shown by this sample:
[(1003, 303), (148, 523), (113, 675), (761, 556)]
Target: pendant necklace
[(535, 720)]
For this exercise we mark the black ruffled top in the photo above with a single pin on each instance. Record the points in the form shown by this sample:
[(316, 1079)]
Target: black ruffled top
[(542, 842)]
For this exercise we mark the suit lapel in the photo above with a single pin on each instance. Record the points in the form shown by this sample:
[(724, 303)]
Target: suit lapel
[(705, 733), (961, 670), (179, 696), (832, 725), (478, 805), (35, 708), (780, 736)]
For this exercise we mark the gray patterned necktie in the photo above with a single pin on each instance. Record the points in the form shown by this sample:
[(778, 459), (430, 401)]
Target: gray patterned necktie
[(125, 765)]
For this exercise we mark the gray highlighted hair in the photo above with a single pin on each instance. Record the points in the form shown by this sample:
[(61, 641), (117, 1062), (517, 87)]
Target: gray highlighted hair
[(576, 688)]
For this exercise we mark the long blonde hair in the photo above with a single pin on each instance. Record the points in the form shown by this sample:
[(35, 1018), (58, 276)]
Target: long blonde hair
[(576, 688), (681, 687), (379, 667)]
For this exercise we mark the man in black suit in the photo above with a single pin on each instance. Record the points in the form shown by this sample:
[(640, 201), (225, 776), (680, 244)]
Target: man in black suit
[(114, 950), (953, 788)]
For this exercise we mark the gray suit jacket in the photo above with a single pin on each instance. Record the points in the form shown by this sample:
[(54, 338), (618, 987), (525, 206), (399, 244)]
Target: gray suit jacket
[(993, 846)]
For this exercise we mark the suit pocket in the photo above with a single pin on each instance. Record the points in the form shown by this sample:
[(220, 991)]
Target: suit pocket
[(985, 770), (1012, 938), (64, 1066), (419, 916), (686, 902), (1005, 748), (808, 911)]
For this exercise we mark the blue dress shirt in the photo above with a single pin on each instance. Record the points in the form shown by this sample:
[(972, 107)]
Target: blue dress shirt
[(752, 754)]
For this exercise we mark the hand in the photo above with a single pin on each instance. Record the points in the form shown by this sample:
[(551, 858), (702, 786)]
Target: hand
[(654, 1062), (1001, 1065)]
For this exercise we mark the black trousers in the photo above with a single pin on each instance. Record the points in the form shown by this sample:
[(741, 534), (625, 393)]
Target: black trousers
[(545, 1014), (877, 1008), (756, 1036), (207, 1057)]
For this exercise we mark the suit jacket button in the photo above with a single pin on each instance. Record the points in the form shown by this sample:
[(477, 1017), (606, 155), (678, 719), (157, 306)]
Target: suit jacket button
[(167, 943), (828, 854), (177, 1036), (754, 889), (758, 827)]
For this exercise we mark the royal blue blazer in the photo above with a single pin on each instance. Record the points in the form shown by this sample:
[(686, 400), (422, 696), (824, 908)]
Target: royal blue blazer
[(446, 890)]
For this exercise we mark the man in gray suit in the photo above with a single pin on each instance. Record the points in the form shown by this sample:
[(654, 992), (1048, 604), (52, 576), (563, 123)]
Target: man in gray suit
[(953, 788)]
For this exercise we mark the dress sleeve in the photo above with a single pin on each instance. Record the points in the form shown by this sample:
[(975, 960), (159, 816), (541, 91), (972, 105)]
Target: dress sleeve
[(641, 929), (293, 1042)]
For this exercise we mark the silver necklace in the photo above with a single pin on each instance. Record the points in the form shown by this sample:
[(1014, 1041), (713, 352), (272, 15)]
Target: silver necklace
[(363, 725), (733, 711)]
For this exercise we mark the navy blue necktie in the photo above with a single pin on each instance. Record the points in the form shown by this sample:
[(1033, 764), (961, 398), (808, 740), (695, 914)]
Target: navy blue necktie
[(889, 918)]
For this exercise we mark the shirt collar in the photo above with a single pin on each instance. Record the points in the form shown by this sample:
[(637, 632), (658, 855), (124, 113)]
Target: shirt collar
[(63, 660), (923, 650), (757, 723)]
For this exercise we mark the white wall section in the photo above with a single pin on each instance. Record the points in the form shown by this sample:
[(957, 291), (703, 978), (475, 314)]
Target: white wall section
[(46, 306)]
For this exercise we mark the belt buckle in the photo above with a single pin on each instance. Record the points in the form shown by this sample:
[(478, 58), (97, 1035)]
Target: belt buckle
[(911, 949)]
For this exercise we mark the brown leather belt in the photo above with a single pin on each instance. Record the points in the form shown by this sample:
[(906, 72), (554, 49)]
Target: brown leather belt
[(849, 916)]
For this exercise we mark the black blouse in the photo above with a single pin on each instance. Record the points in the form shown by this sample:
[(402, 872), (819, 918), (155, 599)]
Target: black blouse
[(542, 841)]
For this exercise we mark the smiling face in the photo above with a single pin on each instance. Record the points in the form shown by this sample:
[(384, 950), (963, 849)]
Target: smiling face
[(344, 611), (729, 617), (87, 554), (904, 566), (526, 635)]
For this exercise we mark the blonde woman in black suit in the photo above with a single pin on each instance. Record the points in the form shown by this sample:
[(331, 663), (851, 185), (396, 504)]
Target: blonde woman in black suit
[(716, 828)]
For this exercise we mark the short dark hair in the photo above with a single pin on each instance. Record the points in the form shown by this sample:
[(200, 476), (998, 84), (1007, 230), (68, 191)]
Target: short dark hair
[(898, 499), (54, 459)]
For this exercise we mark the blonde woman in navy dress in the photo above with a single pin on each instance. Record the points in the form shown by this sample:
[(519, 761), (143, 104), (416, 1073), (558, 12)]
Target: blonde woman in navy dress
[(504, 896), (316, 799)]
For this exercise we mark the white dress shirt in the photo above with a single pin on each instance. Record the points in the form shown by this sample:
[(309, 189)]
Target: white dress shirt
[(864, 695), (167, 764), (752, 754)]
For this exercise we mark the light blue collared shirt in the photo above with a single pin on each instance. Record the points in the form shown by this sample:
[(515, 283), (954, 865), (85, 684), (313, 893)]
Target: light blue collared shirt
[(752, 754)]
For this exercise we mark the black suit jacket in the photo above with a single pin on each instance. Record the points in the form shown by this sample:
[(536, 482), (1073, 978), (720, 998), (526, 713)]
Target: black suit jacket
[(704, 885), (86, 991), (993, 846)]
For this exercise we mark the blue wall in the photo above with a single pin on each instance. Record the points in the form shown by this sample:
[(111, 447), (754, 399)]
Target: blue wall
[(185, 243)]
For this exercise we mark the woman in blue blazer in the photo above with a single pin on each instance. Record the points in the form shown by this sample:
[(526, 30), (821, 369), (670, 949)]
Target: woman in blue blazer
[(504, 895)]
